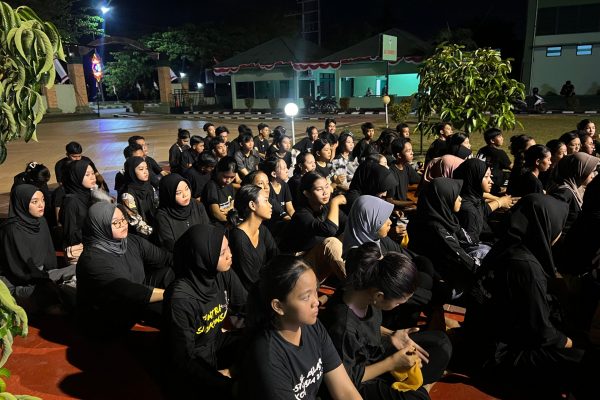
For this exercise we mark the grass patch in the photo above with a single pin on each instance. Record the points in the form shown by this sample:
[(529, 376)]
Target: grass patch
[(541, 127)]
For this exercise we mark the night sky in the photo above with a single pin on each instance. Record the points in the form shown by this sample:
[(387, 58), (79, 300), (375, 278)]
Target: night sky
[(421, 17), (495, 24)]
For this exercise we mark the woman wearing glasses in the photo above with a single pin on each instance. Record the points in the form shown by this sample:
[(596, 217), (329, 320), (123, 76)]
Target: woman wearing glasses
[(120, 277)]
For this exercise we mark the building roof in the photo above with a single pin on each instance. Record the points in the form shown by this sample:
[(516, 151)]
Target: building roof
[(408, 46), (281, 49)]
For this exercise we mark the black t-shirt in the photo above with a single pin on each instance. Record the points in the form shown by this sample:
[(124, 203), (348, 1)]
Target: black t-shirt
[(175, 157), (304, 146), (275, 369), (362, 149), (247, 259), (357, 340), (188, 158), (307, 229), (524, 184), (324, 171), (261, 145), (282, 197), (436, 149), (216, 194), (497, 160), (404, 177)]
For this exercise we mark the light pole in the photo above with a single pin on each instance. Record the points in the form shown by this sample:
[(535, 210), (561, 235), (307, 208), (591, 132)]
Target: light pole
[(291, 110), (386, 100)]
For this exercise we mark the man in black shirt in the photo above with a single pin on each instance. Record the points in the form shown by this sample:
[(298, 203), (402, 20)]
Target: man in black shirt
[(182, 144), (444, 131), (247, 157), (261, 141), (495, 157), (363, 148), (189, 156)]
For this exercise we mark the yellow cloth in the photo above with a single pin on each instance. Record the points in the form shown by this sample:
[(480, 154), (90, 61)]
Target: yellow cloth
[(408, 380), (404, 241)]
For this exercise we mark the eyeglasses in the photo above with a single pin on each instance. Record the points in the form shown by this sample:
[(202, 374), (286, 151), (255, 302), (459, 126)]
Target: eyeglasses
[(119, 223)]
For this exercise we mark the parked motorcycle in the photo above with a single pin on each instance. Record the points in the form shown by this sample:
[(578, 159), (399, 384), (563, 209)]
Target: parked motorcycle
[(326, 105)]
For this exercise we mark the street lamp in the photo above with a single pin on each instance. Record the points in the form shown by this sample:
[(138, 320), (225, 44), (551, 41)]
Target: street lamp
[(104, 10), (291, 110), (386, 100)]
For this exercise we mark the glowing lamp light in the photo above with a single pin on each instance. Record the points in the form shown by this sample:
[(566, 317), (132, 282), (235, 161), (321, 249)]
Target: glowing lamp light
[(182, 74), (199, 85), (291, 109), (386, 99), (104, 9)]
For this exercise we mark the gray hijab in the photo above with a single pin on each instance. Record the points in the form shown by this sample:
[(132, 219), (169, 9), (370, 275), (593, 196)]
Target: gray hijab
[(367, 216), (97, 231)]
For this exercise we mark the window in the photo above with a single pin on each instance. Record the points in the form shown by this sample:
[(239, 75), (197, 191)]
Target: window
[(568, 19), (584, 50), (264, 89), (244, 90), (553, 51), (284, 90)]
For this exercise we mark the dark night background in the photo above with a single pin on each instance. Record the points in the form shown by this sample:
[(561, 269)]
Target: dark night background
[(495, 24)]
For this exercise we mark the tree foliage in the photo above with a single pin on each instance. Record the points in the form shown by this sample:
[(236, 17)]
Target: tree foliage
[(471, 89), (74, 19), (126, 71), (28, 46)]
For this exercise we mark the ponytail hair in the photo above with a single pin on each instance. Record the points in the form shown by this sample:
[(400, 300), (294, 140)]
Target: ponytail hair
[(277, 279), (241, 210), (394, 274)]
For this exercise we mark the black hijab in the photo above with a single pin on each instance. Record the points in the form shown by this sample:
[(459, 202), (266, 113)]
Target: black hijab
[(141, 191), (471, 172), (97, 231), (18, 211), (196, 255), (167, 202), (436, 204), (73, 178), (26, 249), (535, 221), (372, 178)]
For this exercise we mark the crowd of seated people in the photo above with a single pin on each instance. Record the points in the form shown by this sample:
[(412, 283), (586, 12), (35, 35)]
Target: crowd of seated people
[(225, 251)]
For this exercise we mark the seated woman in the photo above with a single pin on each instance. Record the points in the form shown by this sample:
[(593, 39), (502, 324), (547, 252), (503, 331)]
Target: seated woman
[(289, 353), (474, 210), (38, 175), (138, 196), (372, 179), (322, 151), (369, 222), (344, 164), (120, 277), (436, 226), (459, 145), (250, 241), (315, 225), (280, 148), (198, 352), (27, 260), (177, 211), (218, 192), (305, 162), (573, 173), (370, 351), (537, 162), (443, 166), (510, 319), (572, 141), (557, 150), (277, 173), (78, 182), (578, 257), (518, 145)]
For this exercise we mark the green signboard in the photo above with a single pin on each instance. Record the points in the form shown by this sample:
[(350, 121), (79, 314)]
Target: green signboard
[(389, 48)]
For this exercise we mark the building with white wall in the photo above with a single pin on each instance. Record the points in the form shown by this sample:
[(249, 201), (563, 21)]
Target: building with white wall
[(562, 43)]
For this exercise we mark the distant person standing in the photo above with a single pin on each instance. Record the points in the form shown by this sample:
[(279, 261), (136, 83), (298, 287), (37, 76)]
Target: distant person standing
[(438, 147), (568, 91)]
